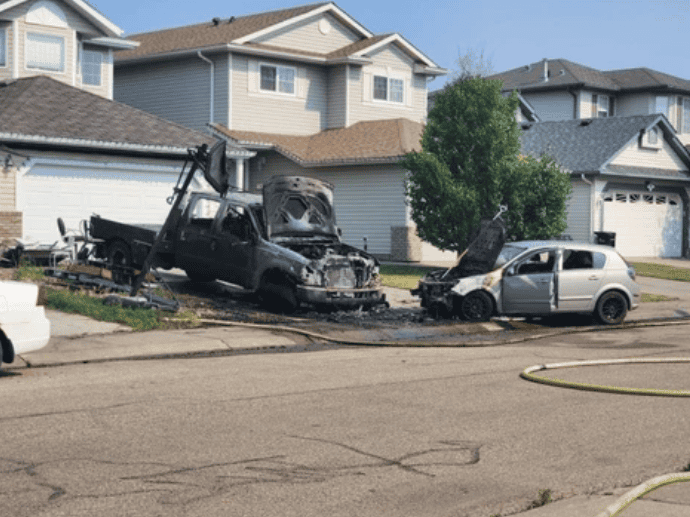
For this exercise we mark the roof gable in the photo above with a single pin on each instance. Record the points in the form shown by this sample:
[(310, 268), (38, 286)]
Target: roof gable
[(84, 9), (589, 145)]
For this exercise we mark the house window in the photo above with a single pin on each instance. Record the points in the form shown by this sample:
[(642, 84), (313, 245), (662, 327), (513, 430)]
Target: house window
[(3, 48), (389, 89), (685, 125), (662, 105), (45, 52), (91, 61), (279, 79)]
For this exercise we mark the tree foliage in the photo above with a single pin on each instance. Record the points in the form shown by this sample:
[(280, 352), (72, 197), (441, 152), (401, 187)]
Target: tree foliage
[(470, 164), (473, 63)]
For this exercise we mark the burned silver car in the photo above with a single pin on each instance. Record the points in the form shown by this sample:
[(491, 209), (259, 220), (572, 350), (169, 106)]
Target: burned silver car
[(540, 278)]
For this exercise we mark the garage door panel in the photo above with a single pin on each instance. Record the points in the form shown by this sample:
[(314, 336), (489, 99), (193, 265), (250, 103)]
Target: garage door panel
[(75, 194), (646, 225)]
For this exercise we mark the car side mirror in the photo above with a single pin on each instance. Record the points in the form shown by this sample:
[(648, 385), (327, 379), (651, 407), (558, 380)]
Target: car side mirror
[(510, 271)]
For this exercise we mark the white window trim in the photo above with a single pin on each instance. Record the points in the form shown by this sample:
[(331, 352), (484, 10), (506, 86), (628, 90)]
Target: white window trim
[(387, 100), (277, 90), (3, 35), (26, 53)]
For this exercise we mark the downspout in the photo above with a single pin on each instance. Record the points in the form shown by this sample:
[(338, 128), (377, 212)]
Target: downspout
[(213, 79), (576, 111)]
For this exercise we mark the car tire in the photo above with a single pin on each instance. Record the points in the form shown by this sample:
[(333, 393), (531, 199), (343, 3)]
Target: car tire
[(476, 306), (120, 262), (611, 308)]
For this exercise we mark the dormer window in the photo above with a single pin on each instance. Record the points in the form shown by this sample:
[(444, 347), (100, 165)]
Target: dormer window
[(45, 52), (280, 79), (389, 89), (91, 61), (651, 138)]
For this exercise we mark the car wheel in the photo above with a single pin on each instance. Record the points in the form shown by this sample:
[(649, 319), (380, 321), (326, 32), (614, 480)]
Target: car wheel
[(120, 262), (611, 308), (279, 297), (476, 306)]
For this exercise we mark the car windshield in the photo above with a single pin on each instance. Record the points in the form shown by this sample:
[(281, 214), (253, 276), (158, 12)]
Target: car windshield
[(508, 253)]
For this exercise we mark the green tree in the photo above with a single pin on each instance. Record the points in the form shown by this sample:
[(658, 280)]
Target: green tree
[(470, 164)]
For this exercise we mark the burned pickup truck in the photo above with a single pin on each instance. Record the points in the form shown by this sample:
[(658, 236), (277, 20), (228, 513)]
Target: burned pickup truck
[(284, 245)]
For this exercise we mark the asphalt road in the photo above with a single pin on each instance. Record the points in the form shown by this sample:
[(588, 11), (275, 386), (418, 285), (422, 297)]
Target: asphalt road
[(347, 432)]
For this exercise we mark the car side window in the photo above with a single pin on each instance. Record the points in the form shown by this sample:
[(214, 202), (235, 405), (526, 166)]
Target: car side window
[(539, 262), (203, 213), (581, 259)]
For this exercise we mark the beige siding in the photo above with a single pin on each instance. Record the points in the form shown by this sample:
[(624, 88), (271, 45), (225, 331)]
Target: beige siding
[(636, 156), (8, 189), (369, 200), (579, 207), (390, 62), (304, 113), (552, 106), (337, 91), (308, 36)]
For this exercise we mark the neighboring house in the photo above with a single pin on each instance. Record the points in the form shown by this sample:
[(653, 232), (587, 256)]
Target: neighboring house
[(69, 41), (66, 149), (559, 89), (592, 124), (313, 92), (630, 175)]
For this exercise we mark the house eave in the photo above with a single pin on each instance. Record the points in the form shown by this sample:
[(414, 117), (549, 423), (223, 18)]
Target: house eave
[(114, 43)]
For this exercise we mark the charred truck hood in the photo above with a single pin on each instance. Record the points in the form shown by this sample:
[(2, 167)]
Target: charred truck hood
[(300, 217)]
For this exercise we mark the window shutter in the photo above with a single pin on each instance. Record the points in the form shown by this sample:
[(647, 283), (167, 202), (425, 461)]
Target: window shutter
[(595, 99), (612, 104), (253, 75), (366, 87)]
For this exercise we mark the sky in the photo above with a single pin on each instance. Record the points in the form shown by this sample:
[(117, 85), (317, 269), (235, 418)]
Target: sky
[(603, 34)]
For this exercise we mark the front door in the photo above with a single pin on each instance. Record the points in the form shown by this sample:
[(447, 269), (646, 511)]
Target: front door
[(529, 286)]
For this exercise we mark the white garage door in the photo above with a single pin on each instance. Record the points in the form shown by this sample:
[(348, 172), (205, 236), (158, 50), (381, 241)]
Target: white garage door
[(75, 193), (646, 225)]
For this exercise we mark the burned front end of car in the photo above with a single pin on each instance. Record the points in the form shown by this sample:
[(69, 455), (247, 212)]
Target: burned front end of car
[(436, 289), (300, 217)]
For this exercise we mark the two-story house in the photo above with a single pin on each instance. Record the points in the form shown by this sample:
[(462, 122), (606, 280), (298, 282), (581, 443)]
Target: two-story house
[(66, 149), (312, 92), (624, 136)]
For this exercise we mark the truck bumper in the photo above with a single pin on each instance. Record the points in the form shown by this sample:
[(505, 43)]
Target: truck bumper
[(345, 298)]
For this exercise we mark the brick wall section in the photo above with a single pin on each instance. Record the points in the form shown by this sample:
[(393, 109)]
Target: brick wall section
[(406, 246), (10, 225)]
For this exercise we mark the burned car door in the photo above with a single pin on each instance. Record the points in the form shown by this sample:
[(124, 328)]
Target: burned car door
[(235, 245), (579, 279), (197, 236), (529, 285)]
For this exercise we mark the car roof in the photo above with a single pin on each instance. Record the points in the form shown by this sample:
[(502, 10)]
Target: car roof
[(580, 245)]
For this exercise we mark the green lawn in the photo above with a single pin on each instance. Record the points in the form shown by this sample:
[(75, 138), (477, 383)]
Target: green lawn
[(403, 276), (662, 271)]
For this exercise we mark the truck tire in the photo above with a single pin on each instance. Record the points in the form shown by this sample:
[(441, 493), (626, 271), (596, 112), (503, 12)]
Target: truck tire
[(120, 262), (6, 349), (279, 297)]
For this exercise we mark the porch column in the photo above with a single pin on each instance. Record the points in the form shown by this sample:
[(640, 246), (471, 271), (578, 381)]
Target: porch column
[(239, 174)]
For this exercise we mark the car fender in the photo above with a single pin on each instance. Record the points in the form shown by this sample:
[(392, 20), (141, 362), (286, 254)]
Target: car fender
[(271, 256), (491, 283), (632, 302)]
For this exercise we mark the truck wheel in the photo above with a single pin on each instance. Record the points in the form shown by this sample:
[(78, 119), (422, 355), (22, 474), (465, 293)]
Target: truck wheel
[(279, 297), (476, 306), (120, 262), (6, 349)]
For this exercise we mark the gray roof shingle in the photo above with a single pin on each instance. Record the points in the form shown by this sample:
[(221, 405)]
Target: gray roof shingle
[(585, 145), (45, 109)]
